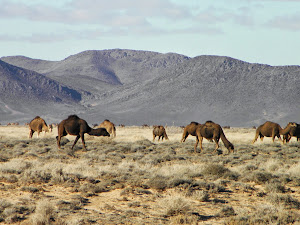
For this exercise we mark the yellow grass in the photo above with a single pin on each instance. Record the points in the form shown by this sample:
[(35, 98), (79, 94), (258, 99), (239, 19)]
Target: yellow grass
[(132, 180)]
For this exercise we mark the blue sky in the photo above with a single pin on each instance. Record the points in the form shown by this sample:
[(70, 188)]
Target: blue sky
[(256, 31)]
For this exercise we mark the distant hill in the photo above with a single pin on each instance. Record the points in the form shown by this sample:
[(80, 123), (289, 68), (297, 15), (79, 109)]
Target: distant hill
[(23, 89), (137, 87)]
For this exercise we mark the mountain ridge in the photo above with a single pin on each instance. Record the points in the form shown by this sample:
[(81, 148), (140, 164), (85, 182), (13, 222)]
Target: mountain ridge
[(136, 87)]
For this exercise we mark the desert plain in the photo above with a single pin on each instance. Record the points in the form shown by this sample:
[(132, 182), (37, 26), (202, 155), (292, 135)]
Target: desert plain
[(131, 179)]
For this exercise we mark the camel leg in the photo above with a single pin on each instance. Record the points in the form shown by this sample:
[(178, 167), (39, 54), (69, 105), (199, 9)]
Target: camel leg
[(197, 141), (31, 133), (262, 138), (184, 136), (58, 141), (83, 142), (77, 137), (217, 145), (279, 138), (153, 137), (200, 140)]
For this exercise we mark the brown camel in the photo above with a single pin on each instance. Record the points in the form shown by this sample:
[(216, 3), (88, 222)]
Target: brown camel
[(38, 125), (160, 131), (212, 131), (73, 125), (109, 126), (271, 129), (190, 130), (294, 132)]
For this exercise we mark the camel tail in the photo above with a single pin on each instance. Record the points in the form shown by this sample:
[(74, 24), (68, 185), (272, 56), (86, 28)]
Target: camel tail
[(227, 143)]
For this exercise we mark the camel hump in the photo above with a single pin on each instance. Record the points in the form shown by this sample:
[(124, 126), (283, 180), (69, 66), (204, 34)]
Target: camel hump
[(73, 117), (106, 120), (193, 122), (37, 117), (209, 122)]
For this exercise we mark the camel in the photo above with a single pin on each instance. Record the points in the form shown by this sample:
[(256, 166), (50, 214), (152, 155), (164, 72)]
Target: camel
[(109, 126), (294, 132), (50, 127), (160, 131), (73, 125), (271, 129), (212, 131), (190, 130), (38, 125)]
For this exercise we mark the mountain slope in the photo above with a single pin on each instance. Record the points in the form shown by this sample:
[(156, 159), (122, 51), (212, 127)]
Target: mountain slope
[(24, 92), (113, 67), (222, 89), (136, 87)]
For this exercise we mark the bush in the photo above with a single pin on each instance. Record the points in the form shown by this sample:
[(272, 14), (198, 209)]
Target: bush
[(175, 206), (158, 183), (44, 213)]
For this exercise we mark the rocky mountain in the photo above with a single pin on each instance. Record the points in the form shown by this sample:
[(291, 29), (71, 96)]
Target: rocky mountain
[(24, 90), (137, 87)]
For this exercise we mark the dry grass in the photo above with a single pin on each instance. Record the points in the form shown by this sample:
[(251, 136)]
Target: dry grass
[(132, 180)]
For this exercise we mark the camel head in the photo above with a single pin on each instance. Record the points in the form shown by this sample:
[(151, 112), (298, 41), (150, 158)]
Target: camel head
[(99, 132), (292, 124), (45, 128), (230, 147)]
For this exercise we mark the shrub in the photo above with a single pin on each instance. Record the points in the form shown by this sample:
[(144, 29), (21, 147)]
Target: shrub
[(215, 170), (226, 211), (44, 213), (285, 199), (200, 195), (175, 206), (158, 183)]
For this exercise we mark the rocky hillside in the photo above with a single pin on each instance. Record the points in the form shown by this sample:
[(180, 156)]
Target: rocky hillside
[(23, 90), (136, 87)]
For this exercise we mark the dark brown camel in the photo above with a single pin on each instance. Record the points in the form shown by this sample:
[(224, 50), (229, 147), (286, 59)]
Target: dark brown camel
[(294, 132), (190, 130), (271, 129), (109, 126), (38, 125), (160, 131), (73, 125), (212, 131)]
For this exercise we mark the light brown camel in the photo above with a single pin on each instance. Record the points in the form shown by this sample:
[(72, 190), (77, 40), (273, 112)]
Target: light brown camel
[(38, 125), (190, 130), (73, 125), (109, 126), (271, 129), (294, 132), (160, 131), (212, 131)]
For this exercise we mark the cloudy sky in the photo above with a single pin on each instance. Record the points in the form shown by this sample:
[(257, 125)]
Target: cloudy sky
[(256, 31)]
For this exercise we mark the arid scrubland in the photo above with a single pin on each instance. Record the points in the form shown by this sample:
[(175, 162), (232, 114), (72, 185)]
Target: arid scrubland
[(132, 180)]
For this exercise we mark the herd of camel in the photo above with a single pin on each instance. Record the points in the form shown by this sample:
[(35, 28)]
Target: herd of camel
[(74, 125)]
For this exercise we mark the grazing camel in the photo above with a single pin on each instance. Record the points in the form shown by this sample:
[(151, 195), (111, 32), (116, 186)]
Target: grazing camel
[(212, 131), (271, 129), (50, 127), (160, 131), (73, 125), (38, 125), (190, 130), (294, 132), (109, 126)]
